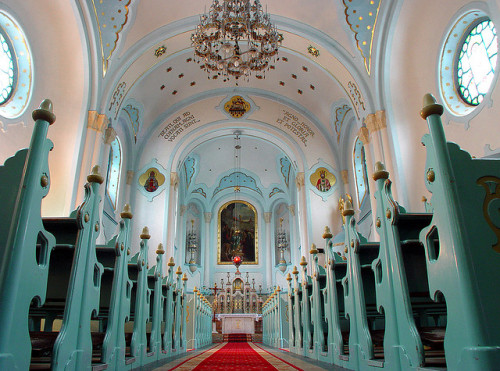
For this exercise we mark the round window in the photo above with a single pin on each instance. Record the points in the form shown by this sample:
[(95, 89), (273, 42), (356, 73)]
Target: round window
[(467, 63), (8, 73), (16, 70), (476, 62)]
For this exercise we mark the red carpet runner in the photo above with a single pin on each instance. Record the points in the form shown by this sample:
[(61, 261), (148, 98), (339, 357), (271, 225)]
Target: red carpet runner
[(237, 357)]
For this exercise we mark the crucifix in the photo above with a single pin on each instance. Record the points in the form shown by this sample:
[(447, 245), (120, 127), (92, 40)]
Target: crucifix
[(215, 289)]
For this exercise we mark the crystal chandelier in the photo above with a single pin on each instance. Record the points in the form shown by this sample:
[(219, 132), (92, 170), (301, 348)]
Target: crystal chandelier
[(192, 246), (235, 38), (281, 244)]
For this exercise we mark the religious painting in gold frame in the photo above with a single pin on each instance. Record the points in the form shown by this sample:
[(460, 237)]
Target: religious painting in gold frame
[(237, 216)]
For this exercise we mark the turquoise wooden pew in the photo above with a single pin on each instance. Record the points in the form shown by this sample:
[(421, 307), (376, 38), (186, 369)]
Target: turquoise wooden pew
[(157, 302), (318, 316), (466, 216), (336, 268), (24, 266)]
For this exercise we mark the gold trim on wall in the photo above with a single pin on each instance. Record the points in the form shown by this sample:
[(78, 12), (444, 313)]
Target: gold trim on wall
[(219, 262)]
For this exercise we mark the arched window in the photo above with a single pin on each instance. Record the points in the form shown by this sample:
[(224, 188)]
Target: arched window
[(114, 170), (360, 174), (477, 61)]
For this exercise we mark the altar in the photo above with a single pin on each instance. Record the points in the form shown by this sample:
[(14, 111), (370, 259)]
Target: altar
[(238, 323)]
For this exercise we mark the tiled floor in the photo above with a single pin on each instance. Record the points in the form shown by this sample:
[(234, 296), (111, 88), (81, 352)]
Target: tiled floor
[(298, 361)]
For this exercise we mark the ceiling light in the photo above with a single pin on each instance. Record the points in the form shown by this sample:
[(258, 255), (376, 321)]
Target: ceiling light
[(235, 38)]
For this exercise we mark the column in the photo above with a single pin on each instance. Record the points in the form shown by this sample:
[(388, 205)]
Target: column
[(206, 250), (172, 213), (293, 231), (109, 136), (364, 136), (302, 217), (90, 156), (128, 181), (382, 147), (269, 248)]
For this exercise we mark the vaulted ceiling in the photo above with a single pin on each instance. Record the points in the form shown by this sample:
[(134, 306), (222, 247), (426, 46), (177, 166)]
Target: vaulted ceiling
[(146, 70)]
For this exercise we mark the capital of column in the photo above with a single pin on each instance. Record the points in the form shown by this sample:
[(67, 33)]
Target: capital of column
[(208, 217), (97, 121), (291, 208), (300, 180), (364, 135), (174, 180), (376, 121), (130, 177), (267, 217), (109, 135), (345, 176), (182, 209)]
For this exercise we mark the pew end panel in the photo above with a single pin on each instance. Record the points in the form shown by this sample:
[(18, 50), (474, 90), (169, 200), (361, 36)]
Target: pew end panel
[(25, 245), (465, 198)]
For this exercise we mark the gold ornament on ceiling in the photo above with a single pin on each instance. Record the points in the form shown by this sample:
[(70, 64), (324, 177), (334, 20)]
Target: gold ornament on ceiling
[(313, 51), (237, 106), (160, 51)]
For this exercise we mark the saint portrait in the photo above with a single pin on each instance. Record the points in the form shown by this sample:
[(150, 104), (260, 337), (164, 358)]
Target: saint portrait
[(237, 233), (322, 179), (151, 180)]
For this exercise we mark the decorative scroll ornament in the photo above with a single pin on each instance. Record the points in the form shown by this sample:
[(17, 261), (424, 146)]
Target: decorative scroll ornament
[(237, 106), (491, 205)]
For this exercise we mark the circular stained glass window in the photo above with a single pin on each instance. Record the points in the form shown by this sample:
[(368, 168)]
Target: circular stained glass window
[(476, 62), (7, 71)]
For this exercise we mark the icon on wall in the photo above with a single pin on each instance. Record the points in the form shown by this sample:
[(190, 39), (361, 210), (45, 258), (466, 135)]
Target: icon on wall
[(151, 180), (322, 179)]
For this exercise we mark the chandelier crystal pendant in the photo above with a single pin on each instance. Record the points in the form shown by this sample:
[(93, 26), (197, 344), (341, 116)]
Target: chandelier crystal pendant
[(235, 38)]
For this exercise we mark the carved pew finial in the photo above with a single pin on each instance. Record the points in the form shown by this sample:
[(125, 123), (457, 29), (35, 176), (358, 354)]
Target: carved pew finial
[(379, 171), (288, 277), (159, 250), (430, 107), (127, 213), (145, 234), (313, 250), (45, 112), (303, 261), (171, 262), (327, 233), (179, 270), (348, 210), (95, 176)]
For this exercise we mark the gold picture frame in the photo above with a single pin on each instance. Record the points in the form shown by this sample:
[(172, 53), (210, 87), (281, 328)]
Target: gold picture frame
[(248, 243)]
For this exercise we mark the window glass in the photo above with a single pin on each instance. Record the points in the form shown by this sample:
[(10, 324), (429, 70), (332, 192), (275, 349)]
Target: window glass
[(114, 169), (476, 62), (7, 72), (360, 174)]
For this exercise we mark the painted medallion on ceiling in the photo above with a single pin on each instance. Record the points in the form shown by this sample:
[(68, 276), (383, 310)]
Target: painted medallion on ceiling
[(237, 107)]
